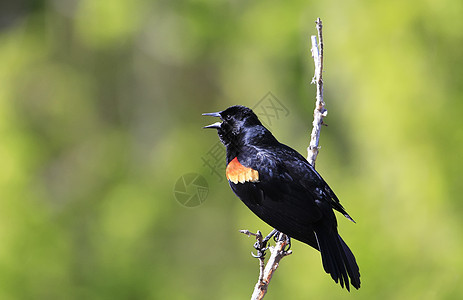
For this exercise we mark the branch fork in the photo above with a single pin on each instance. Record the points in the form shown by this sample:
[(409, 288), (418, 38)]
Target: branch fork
[(277, 252)]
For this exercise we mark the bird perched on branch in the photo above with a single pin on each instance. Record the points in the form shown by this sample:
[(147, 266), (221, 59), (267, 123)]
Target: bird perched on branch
[(280, 186)]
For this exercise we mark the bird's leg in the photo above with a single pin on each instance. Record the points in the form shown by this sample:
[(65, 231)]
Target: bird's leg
[(261, 244), (273, 233), (288, 243)]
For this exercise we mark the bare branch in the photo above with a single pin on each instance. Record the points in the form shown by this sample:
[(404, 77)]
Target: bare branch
[(319, 112)]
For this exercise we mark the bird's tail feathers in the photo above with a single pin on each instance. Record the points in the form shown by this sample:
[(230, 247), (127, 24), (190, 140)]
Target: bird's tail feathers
[(337, 259)]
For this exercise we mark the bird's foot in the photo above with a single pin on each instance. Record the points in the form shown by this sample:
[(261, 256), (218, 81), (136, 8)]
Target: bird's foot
[(273, 234), (280, 237), (260, 245)]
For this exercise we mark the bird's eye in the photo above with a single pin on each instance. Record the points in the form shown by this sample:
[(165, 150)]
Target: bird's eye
[(228, 118)]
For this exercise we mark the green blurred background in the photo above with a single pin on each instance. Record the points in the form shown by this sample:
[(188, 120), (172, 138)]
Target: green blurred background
[(100, 116)]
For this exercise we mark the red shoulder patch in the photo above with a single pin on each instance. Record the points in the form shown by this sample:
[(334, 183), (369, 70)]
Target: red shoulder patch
[(236, 172)]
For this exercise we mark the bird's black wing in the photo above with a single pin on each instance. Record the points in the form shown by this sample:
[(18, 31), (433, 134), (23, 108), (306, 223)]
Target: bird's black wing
[(311, 179), (278, 197), (284, 170)]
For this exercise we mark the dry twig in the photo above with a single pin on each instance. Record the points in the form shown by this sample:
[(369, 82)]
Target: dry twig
[(319, 112)]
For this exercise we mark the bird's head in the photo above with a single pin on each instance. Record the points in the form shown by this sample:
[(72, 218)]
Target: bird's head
[(238, 123)]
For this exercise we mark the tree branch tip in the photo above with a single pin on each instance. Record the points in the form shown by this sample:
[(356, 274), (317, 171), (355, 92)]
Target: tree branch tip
[(248, 233)]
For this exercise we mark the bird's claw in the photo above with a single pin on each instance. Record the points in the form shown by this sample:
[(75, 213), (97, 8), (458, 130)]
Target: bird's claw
[(261, 247), (288, 244), (279, 237), (261, 244), (260, 254)]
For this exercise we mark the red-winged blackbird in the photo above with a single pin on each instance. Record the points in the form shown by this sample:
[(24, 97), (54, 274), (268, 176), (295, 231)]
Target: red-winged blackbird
[(280, 186)]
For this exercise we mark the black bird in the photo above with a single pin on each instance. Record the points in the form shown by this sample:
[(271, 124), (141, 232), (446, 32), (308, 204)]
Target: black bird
[(280, 186)]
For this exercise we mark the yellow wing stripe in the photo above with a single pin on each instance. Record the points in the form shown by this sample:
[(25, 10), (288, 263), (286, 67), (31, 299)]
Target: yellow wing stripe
[(237, 173)]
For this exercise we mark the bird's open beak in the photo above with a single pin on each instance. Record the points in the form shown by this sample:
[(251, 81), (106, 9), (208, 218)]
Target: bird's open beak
[(216, 114), (216, 124)]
